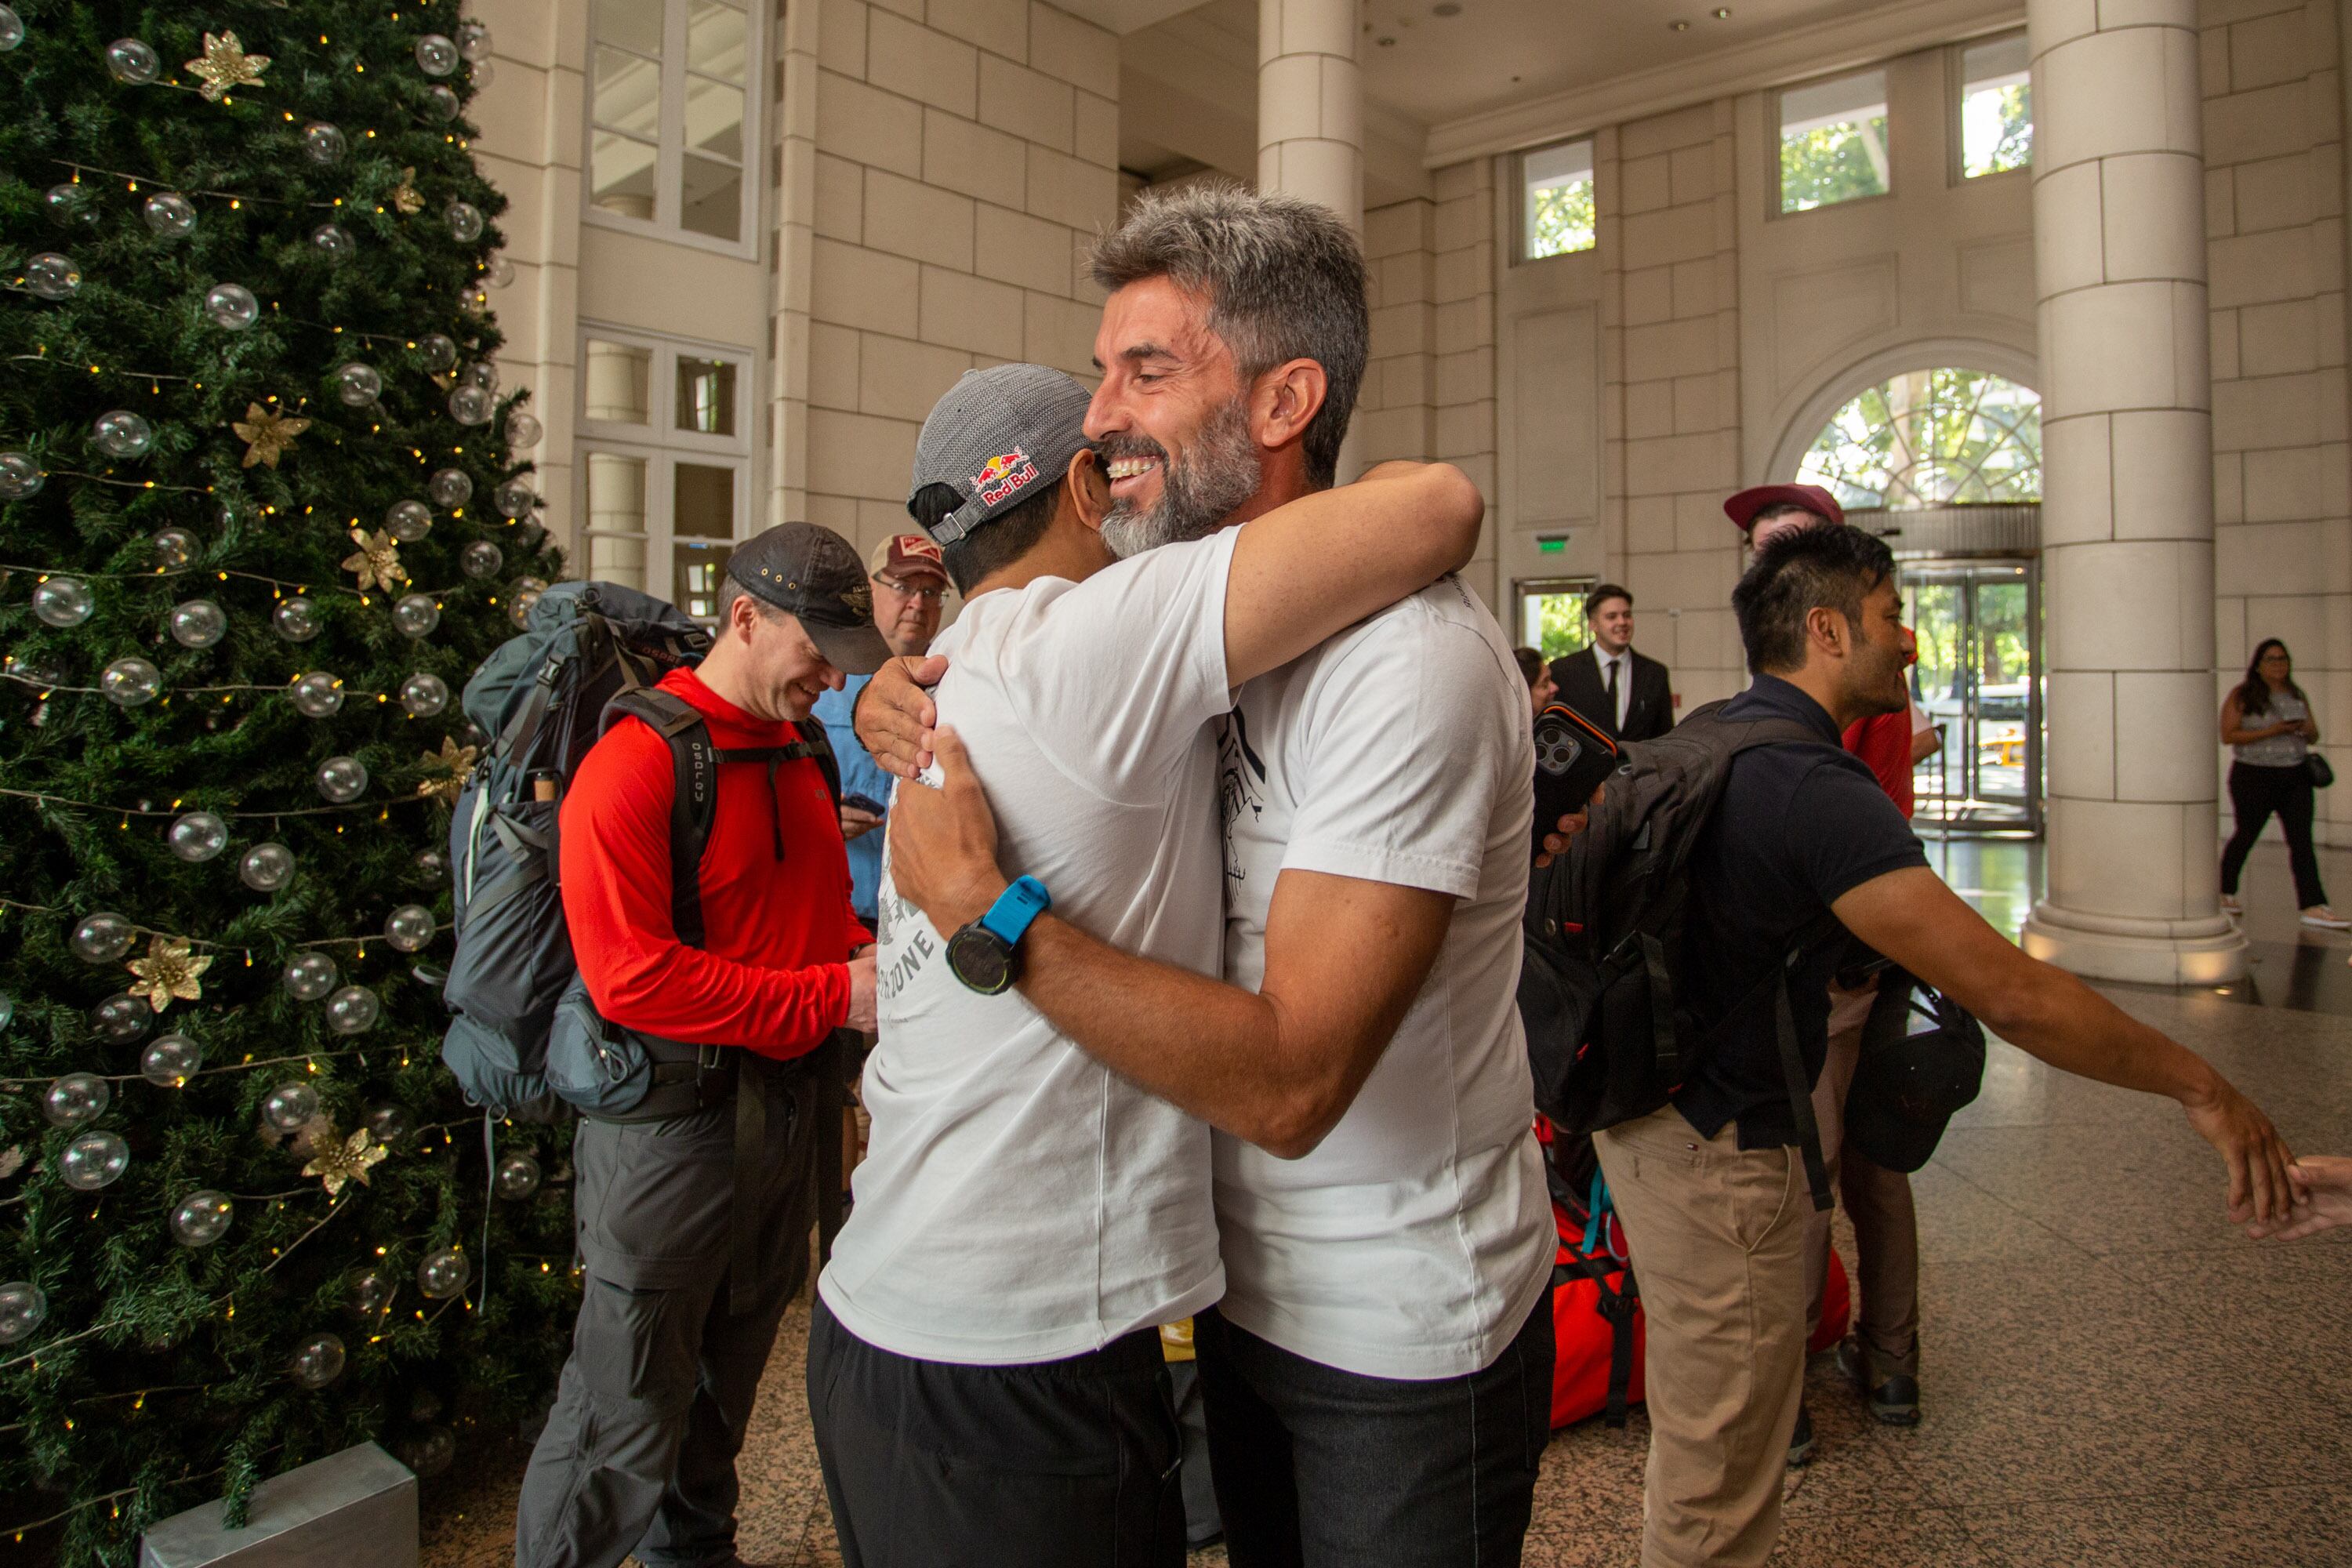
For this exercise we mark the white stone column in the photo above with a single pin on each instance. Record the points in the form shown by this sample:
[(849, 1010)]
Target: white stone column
[(1310, 104), (2128, 496)]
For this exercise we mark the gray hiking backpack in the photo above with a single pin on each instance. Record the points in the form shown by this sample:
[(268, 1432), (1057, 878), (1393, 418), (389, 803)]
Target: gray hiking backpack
[(525, 1039)]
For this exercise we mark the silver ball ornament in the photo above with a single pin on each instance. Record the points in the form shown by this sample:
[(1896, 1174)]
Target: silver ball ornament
[(501, 271), (408, 521), (170, 1061), (63, 601), (424, 694), (202, 1217), (481, 373), (232, 307), (19, 477), (409, 928), (358, 384), (449, 488), (516, 1176), (436, 54), (118, 433), (466, 222), (169, 215), (320, 695), (523, 429), (198, 623), (92, 1160), (23, 1307), (176, 548), (516, 497), (103, 938), (481, 559), (290, 1106), (132, 682), (431, 866), (387, 1123), (432, 1452), (332, 240), (12, 29), (197, 835), (122, 1017), (436, 351), (132, 62), (49, 275), (443, 102), (317, 1361), (443, 1273), (474, 39), (322, 143), (415, 614), (471, 405), (311, 975), (77, 1098), (342, 780), (353, 1010), (368, 1293), (266, 868), (296, 619)]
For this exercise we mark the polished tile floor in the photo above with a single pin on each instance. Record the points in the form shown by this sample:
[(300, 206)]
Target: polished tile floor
[(2113, 1375)]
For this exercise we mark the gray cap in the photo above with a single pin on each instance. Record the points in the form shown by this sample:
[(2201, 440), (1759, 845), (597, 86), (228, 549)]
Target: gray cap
[(999, 437), (815, 574)]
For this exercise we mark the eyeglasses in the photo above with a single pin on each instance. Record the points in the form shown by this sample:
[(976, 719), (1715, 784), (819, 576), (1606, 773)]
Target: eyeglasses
[(896, 587)]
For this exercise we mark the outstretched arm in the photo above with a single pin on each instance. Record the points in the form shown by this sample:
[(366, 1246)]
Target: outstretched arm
[(1911, 916), (1278, 1066)]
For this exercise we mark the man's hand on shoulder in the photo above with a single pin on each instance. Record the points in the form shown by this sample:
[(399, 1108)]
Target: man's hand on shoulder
[(893, 714), (943, 844)]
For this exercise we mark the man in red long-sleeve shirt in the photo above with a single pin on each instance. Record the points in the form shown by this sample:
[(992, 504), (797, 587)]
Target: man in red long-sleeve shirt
[(694, 1228)]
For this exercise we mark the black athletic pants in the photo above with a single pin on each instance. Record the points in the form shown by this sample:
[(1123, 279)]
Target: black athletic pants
[(2256, 792), (1316, 1468), (1062, 1463)]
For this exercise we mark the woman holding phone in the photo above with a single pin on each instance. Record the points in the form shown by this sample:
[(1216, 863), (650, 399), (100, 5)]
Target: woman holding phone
[(2267, 722)]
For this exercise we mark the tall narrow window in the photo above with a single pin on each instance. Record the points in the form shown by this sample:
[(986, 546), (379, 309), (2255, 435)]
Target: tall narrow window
[(1558, 215), (1833, 142), (1995, 106), (670, 107)]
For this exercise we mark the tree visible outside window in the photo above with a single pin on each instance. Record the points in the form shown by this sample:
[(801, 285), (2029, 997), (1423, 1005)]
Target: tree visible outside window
[(1560, 211), (1833, 142), (1551, 617), (1995, 106), (1932, 437)]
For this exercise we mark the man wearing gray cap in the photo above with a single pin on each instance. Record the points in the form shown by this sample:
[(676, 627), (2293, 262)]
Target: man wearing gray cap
[(694, 1211), (985, 1370)]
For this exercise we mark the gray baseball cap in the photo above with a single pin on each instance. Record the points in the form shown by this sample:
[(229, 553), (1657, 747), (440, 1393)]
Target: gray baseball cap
[(1000, 436)]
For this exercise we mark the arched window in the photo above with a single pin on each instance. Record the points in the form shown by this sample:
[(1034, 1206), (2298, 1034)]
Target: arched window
[(1931, 438)]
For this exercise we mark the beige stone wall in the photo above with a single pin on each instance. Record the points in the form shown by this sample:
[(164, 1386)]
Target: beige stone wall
[(2273, 112), (1394, 410), (1461, 344), (940, 165), (1671, 392)]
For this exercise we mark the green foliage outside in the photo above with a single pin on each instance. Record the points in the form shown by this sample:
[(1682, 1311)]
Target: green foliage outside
[(1998, 130), (1932, 437), (163, 1374), (1559, 622), (1560, 219), (1833, 163)]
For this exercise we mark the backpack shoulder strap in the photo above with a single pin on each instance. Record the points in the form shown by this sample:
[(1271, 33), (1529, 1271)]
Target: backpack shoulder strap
[(696, 803), (820, 746)]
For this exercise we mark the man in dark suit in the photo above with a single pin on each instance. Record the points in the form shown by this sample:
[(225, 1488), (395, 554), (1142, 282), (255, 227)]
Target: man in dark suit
[(1626, 694)]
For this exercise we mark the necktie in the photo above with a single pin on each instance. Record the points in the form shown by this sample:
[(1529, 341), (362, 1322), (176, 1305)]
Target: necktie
[(1616, 714)]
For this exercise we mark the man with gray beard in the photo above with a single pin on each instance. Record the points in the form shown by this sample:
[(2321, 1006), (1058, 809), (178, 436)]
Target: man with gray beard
[(1378, 1373)]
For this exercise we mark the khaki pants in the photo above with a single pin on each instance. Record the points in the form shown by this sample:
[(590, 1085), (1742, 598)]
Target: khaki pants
[(1878, 1202), (1717, 1236)]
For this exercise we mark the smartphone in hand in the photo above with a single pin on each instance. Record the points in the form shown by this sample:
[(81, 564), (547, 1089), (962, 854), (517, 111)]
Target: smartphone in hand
[(1573, 758)]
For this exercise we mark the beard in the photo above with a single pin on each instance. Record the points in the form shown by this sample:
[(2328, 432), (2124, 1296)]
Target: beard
[(1218, 472)]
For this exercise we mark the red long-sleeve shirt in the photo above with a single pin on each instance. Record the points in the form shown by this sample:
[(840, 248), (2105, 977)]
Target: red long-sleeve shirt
[(772, 974)]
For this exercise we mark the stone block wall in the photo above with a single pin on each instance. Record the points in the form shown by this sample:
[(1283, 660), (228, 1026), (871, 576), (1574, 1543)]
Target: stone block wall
[(939, 167)]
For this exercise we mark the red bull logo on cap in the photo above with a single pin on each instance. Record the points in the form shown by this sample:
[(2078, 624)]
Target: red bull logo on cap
[(1004, 475)]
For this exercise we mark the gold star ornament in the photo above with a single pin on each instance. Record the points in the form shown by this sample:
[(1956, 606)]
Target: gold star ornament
[(225, 64), (405, 196), (453, 769), (169, 973), (267, 435), (336, 1163), (377, 559)]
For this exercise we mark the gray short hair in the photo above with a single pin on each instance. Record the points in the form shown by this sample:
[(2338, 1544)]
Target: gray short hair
[(1285, 281)]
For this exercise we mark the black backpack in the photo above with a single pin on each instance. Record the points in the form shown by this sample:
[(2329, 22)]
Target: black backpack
[(1609, 1034)]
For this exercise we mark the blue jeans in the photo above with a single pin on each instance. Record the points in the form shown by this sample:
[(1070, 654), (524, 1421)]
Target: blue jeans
[(1319, 1467)]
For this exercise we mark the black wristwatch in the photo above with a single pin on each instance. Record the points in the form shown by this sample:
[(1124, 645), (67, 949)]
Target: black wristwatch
[(986, 954)]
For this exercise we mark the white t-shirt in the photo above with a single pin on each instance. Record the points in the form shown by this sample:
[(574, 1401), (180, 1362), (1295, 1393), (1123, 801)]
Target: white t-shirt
[(1416, 1239), (1019, 1202)]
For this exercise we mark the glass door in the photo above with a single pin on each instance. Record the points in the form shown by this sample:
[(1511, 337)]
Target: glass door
[(1979, 679)]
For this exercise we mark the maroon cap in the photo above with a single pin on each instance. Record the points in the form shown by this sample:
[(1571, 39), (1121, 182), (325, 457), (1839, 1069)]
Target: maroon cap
[(908, 555), (1742, 508)]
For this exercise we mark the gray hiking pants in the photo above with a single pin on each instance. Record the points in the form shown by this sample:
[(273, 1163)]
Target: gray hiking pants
[(639, 1451)]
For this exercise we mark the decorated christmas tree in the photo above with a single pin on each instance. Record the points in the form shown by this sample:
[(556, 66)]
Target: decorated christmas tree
[(262, 510)]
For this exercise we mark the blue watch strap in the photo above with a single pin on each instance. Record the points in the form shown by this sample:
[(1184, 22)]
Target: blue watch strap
[(1015, 908)]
